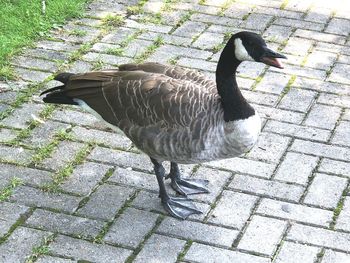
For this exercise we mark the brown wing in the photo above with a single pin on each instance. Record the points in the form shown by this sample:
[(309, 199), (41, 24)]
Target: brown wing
[(140, 98)]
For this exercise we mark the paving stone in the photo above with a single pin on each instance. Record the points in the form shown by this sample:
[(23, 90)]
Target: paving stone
[(22, 116), (176, 51), (331, 256), (338, 26), (257, 22), (342, 135), (343, 221), (37, 198), (134, 178), (277, 33), (322, 86), (35, 63), (15, 154), (117, 36), (65, 224), (62, 155), (7, 135), (57, 45), (298, 131), (238, 10), (335, 167), (104, 47), (321, 149), (105, 58), (303, 166), (19, 244), (318, 14), (233, 209), (167, 39), (80, 67), (191, 5), (214, 19), (105, 202), (198, 231), (151, 202), (298, 24), (323, 116), (334, 100), (137, 48), (266, 187), (84, 250), (292, 252), (298, 46), (260, 98), (262, 228), (346, 115), (273, 82), (321, 60), (7, 96), (25, 174), (325, 190), (110, 139), (250, 70), (318, 36), (340, 73), (298, 100), (301, 6), (11, 211), (190, 29), (124, 159), (44, 133), (31, 75), (208, 40), (77, 118), (197, 64), (295, 212), (279, 114), (269, 147), (5, 227), (277, 12), (330, 47), (149, 27), (240, 165), (131, 227), (84, 178), (170, 248), (49, 259), (209, 254), (344, 59), (302, 71), (217, 179), (319, 237)]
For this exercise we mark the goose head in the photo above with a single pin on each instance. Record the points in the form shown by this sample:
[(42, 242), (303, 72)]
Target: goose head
[(249, 46)]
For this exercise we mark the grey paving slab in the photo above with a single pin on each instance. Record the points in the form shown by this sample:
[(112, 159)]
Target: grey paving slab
[(84, 250), (276, 203)]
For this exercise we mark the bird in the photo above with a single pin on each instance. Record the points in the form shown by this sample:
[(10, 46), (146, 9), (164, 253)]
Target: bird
[(175, 114)]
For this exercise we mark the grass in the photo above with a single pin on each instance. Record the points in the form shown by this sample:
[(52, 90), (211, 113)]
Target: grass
[(6, 192), (113, 21), (150, 49), (24, 22)]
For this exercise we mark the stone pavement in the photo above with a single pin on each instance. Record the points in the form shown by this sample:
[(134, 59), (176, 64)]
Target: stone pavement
[(73, 191)]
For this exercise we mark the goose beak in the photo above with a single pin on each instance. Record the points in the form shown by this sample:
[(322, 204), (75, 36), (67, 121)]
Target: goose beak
[(271, 58)]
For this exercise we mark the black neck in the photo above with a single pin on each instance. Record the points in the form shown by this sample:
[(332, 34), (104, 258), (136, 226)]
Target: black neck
[(234, 104)]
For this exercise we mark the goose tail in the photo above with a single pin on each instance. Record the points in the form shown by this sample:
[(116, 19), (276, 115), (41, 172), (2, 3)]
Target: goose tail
[(57, 95)]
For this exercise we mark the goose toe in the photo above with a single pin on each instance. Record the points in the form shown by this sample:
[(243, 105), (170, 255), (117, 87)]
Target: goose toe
[(180, 207)]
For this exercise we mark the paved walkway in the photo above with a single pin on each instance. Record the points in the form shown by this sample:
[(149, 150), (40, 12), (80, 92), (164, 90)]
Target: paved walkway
[(73, 190)]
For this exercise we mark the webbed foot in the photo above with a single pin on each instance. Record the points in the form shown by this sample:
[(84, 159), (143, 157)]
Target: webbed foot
[(180, 207)]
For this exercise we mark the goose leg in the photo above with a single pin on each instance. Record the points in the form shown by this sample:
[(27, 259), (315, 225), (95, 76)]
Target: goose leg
[(177, 207), (186, 186)]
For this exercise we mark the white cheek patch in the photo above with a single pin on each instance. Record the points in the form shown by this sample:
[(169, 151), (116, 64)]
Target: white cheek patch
[(240, 51)]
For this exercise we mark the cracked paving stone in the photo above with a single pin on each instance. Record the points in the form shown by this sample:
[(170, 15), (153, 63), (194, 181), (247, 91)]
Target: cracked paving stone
[(65, 224), (84, 250), (131, 227)]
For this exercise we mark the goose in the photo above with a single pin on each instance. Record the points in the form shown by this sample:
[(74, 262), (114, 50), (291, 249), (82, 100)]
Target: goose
[(175, 114)]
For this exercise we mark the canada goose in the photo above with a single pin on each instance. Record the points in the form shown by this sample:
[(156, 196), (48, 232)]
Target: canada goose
[(175, 114)]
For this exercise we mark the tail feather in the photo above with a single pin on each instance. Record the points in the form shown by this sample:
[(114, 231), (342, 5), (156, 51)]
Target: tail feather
[(57, 94)]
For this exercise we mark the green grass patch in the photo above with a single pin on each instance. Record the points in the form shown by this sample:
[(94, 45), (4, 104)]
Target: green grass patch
[(150, 49), (6, 192), (113, 21), (24, 22)]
